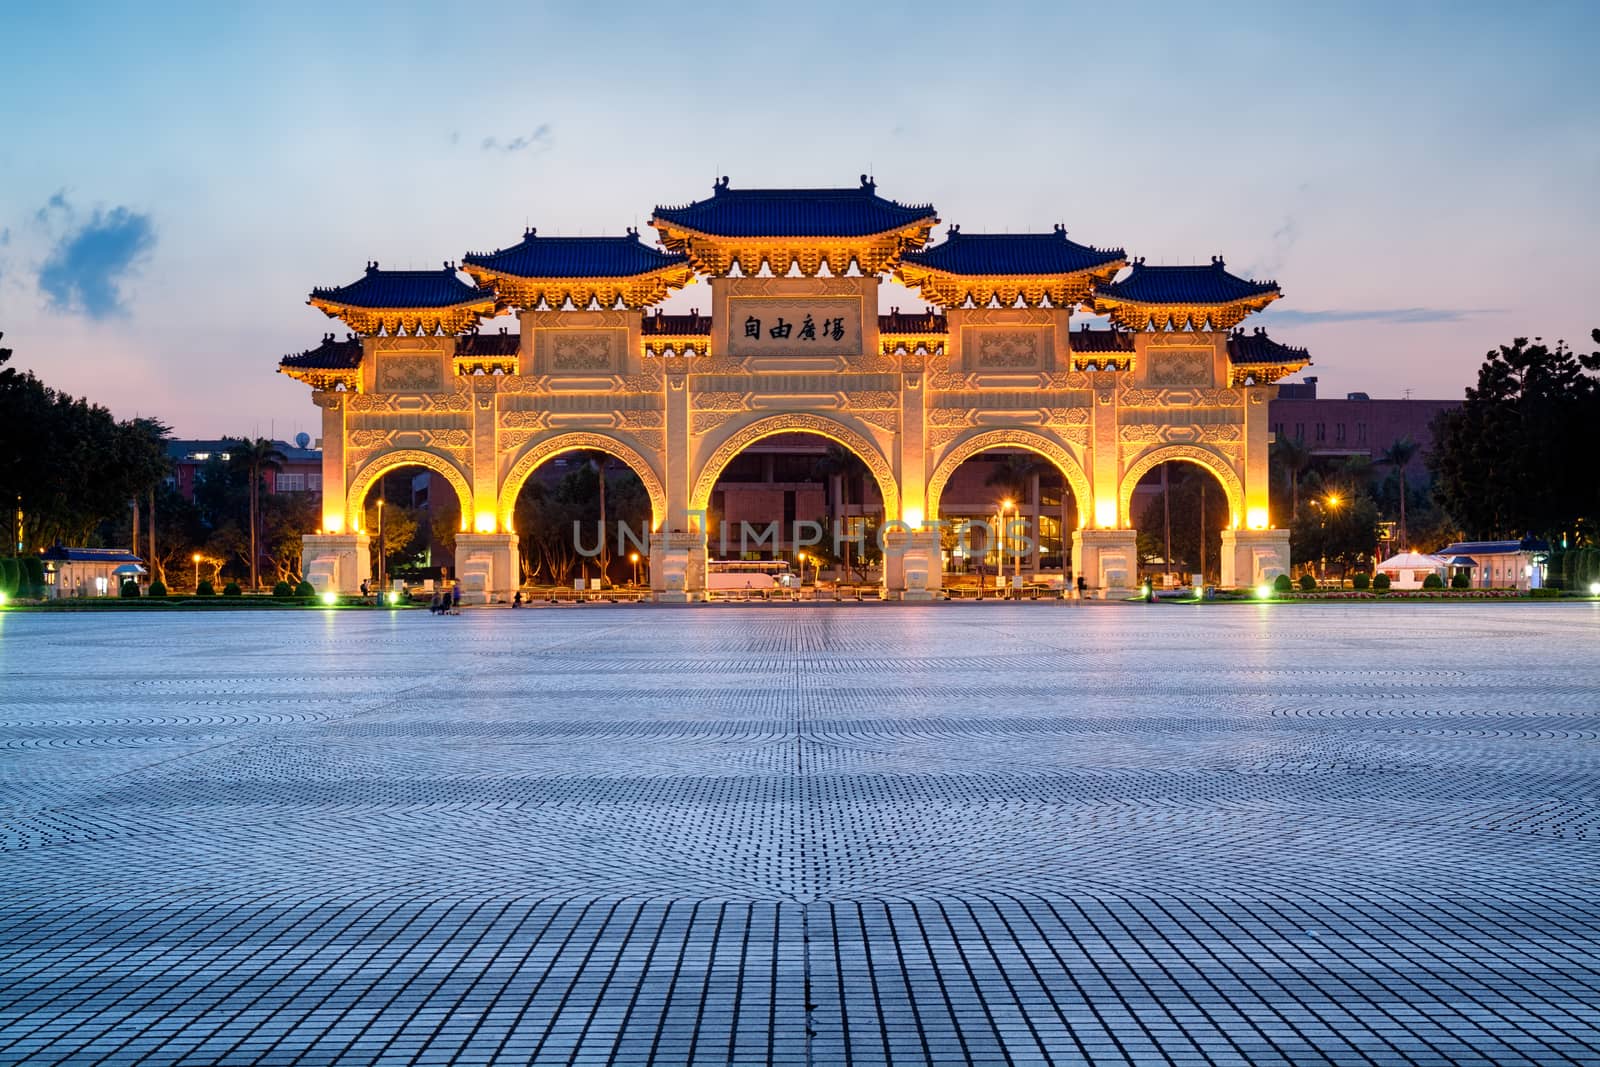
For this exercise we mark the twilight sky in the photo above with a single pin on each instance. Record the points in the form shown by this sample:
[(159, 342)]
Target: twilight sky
[(1421, 179)]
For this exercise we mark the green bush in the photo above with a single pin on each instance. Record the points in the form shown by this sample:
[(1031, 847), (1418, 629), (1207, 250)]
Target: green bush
[(32, 576), (1433, 581), (130, 590), (8, 577), (1282, 584), (1308, 584), (1459, 580), (205, 588), (1381, 583), (283, 589), (1547, 593), (1361, 582), (157, 588), (305, 589), (232, 589)]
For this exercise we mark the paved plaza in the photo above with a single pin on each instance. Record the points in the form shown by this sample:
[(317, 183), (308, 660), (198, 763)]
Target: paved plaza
[(964, 833)]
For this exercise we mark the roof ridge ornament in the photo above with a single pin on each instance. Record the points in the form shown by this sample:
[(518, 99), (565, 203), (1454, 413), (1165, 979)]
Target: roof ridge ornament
[(529, 231), (719, 186), (1061, 230), (1216, 261), (955, 228), (868, 183)]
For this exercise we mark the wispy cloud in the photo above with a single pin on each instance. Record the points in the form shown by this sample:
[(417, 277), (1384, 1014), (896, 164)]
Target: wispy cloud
[(539, 140), (1395, 315), (84, 271)]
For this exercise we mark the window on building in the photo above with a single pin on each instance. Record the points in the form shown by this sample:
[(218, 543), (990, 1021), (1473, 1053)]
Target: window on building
[(1338, 433), (1361, 433), (1300, 431), (314, 482), (1322, 431), (1277, 428), (291, 483)]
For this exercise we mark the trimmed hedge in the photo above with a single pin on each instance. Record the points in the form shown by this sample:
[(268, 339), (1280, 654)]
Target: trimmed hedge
[(158, 588), (1381, 583), (283, 589), (232, 589), (1282, 584), (32, 576), (1308, 584), (205, 588), (305, 589), (130, 590), (1361, 582), (8, 577), (1459, 580), (1433, 581)]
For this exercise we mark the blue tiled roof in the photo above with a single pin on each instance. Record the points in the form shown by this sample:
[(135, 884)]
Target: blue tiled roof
[(482, 345), (1086, 340), (858, 212), (1184, 285), (1493, 548), (1013, 254), (693, 324), (405, 289), (930, 323), (331, 354), (62, 554), (576, 257), (1257, 347)]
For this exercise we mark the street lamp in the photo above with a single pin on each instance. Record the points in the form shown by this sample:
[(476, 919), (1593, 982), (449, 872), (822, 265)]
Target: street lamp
[(633, 557), (800, 558), (1005, 510), (196, 559)]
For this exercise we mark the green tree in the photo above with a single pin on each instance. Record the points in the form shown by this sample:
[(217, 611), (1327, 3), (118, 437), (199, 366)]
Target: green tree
[(1291, 456), (840, 461), (1510, 460), (255, 458)]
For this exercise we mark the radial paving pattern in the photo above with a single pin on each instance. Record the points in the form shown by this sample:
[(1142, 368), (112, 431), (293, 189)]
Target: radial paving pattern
[(954, 834)]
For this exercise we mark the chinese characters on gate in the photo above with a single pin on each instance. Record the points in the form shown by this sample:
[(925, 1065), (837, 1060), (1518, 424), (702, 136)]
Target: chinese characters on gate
[(833, 329), (798, 326)]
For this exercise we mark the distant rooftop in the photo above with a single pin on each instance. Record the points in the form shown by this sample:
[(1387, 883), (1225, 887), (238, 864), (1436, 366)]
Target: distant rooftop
[(857, 212), (575, 257), (1013, 254)]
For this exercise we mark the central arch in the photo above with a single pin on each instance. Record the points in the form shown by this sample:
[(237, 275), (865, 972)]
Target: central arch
[(380, 465), (984, 440), (1201, 457), (540, 451), (860, 444)]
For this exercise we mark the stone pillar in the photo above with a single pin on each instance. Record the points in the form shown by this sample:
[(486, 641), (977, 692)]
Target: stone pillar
[(1256, 483), (1108, 559), (677, 566), (486, 567), (336, 562), (1250, 557), (1105, 467), (333, 477), (912, 567), (913, 458), (482, 512)]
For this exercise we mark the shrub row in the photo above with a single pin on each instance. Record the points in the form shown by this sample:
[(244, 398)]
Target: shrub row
[(22, 577)]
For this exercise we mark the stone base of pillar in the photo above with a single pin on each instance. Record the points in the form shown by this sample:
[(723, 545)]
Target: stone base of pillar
[(677, 567), (912, 566), (1250, 557), (1108, 559), (336, 563), (487, 567)]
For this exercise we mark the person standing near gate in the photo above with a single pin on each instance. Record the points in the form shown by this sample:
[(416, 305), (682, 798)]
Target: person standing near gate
[(1083, 587)]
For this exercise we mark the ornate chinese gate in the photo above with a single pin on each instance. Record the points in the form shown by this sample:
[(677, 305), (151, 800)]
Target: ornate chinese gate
[(794, 342)]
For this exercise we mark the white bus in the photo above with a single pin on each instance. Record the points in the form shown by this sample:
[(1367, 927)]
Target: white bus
[(754, 574)]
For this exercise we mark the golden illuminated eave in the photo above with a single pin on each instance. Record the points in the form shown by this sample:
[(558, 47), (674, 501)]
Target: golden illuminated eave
[(370, 322), (325, 378), (1264, 373), (910, 344), (667, 347), (635, 292), (1132, 315), (950, 290), (874, 254)]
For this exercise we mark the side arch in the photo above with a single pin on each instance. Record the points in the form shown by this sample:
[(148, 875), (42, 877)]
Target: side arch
[(984, 440), (380, 465), (1202, 457), (535, 455), (744, 437)]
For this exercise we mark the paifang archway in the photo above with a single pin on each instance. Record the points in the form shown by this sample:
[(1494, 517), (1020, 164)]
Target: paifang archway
[(790, 346)]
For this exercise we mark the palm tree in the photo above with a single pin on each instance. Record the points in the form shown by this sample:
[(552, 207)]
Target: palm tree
[(1294, 456), (255, 457), (1397, 456)]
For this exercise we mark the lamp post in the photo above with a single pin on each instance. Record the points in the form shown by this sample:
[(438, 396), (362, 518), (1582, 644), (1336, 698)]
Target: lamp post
[(1005, 536), (196, 560), (382, 562), (800, 558), (633, 557)]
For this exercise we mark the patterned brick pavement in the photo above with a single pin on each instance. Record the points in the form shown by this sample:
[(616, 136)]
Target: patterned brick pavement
[(996, 834)]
